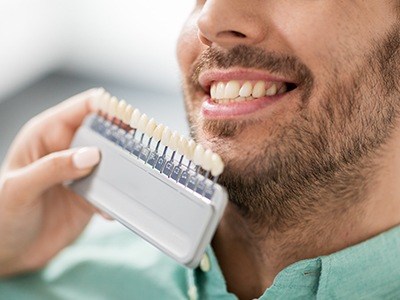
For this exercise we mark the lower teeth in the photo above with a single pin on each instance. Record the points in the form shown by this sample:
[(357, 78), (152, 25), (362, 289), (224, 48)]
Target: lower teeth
[(233, 100)]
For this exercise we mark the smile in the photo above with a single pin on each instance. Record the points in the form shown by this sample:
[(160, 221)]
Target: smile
[(239, 92)]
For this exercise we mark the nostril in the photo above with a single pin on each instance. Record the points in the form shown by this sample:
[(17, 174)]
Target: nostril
[(228, 34), (238, 34)]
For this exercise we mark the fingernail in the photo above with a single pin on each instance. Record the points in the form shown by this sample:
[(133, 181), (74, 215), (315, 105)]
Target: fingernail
[(106, 216), (86, 157)]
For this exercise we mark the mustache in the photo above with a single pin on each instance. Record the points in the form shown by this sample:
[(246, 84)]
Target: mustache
[(252, 57)]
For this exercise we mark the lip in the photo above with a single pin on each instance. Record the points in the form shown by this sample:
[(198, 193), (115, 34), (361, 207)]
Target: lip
[(208, 77), (213, 110)]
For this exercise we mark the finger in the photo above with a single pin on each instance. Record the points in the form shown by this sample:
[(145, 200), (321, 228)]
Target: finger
[(51, 130), (56, 168), (72, 111)]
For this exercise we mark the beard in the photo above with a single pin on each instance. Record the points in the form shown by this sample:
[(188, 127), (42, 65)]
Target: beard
[(321, 161)]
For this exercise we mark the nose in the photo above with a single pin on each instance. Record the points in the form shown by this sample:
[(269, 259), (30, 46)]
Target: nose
[(228, 23)]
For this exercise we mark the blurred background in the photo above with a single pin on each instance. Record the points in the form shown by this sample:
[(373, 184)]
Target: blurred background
[(53, 49)]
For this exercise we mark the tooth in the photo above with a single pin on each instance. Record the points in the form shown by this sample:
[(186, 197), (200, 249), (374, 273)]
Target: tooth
[(143, 120), (150, 127), (246, 90), (95, 103), (198, 155), (101, 104), (190, 149), (104, 105), (217, 166), (259, 90), (135, 118), (272, 90), (157, 134), (213, 91), (96, 100), (207, 160), (121, 109), (183, 144), (166, 136), (220, 91), (283, 89), (112, 107), (105, 101), (232, 90), (127, 114), (239, 99), (174, 141)]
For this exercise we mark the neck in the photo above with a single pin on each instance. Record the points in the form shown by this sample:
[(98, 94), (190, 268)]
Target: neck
[(250, 259)]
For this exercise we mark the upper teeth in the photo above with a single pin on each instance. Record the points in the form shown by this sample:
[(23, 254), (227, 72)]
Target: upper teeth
[(233, 90)]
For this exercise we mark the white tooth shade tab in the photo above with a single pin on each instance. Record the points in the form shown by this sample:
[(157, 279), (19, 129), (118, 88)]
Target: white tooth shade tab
[(166, 136), (198, 155), (259, 89), (190, 149), (174, 141), (105, 103), (121, 109), (135, 118), (182, 147), (217, 166), (96, 100), (157, 134), (143, 120), (232, 90), (101, 104), (150, 127), (127, 114), (112, 107), (207, 160)]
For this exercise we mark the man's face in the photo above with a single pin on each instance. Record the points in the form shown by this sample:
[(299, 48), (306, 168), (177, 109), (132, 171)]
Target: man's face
[(302, 93)]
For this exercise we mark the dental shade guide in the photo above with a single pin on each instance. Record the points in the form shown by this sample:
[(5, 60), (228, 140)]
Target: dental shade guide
[(150, 179)]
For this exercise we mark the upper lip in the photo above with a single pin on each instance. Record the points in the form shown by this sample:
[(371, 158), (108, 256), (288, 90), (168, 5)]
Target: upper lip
[(206, 78)]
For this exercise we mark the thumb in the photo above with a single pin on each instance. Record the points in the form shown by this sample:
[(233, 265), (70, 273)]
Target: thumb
[(56, 168)]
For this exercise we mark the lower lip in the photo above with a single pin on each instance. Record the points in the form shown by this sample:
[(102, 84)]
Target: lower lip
[(211, 109)]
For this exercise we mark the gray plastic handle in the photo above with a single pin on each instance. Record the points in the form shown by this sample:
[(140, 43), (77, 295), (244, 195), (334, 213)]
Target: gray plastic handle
[(172, 217)]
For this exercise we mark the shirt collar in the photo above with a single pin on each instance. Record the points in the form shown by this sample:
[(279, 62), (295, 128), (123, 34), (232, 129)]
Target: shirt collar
[(370, 269)]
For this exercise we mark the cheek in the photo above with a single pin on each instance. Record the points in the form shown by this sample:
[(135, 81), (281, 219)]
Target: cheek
[(188, 47), (309, 39), (330, 36)]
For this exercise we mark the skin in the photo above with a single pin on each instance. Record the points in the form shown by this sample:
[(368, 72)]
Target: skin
[(285, 191), (328, 38), (39, 216)]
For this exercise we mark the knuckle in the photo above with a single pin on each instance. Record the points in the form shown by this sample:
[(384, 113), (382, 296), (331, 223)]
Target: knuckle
[(56, 163)]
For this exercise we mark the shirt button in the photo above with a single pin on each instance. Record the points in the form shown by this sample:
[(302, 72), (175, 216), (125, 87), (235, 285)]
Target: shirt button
[(192, 293), (205, 265)]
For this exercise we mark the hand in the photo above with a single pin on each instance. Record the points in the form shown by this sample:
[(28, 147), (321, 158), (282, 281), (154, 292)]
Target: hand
[(39, 216)]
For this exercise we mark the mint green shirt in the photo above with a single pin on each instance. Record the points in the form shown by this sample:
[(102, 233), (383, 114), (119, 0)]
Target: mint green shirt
[(116, 264)]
